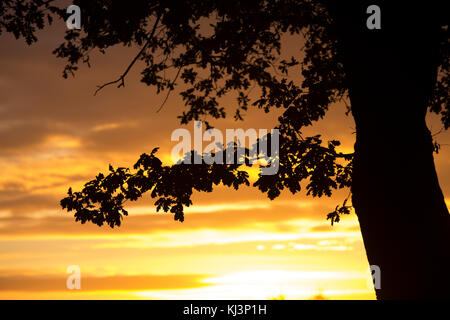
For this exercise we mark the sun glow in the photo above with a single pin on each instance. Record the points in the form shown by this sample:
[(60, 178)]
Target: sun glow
[(269, 284)]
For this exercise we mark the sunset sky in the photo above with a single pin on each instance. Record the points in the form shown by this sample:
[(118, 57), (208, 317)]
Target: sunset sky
[(54, 134)]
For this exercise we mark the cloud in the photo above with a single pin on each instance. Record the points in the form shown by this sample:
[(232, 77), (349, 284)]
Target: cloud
[(23, 203), (49, 220), (22, 136), (44, 283)]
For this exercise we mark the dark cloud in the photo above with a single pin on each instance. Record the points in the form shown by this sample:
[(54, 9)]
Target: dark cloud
[(44, 283), (21, 202), (22, 136), (61, 223)]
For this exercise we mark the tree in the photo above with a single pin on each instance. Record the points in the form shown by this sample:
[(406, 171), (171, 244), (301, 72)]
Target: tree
[(391, 78)]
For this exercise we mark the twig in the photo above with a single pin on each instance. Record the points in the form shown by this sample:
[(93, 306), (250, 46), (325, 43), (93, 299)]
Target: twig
[(121, 79), (170, 90), (439, 132)]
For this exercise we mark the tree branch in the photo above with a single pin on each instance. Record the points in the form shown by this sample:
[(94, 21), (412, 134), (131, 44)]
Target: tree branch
[(170, 90), (121, 79)]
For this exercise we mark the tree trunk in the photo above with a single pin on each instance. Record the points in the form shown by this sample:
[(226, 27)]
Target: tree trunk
[(403, 217)]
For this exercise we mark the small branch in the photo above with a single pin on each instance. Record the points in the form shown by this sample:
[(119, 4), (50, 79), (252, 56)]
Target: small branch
[(438, 133), (170, 90), (121, 79)]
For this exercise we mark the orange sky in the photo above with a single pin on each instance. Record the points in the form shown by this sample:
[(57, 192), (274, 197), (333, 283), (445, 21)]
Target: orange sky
[(233, 245)]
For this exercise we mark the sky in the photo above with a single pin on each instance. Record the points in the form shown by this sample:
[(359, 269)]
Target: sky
[(54, 134)]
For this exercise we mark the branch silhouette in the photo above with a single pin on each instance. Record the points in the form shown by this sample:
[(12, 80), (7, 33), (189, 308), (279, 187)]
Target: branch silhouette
[(121, 79)]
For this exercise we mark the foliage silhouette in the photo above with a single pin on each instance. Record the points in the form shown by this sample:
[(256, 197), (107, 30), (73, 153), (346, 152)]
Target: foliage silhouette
[(391, 76)]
